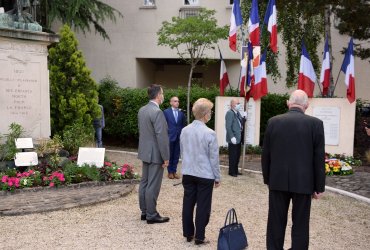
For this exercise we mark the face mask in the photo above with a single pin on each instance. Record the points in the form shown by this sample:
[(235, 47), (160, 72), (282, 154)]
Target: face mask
[(238, 106)]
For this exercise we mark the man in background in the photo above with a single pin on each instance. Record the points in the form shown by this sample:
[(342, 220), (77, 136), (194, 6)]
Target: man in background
[(175, 122), (154, 152), (234, 123), (293, 160), (99, 124)]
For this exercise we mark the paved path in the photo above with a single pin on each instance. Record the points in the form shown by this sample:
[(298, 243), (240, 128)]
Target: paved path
[(37, 200)]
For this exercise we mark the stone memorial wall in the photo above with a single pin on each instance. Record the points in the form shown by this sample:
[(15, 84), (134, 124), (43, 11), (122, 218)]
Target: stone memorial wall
[(24, 81)]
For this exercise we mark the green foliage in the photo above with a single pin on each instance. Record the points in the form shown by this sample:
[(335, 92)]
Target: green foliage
[(81, 14), (271, 105), (353, 20), (75, 174), (190, 37), (73, 93), (50, 149), (77, 135), (121, 105), (297, 21), (9, 149)]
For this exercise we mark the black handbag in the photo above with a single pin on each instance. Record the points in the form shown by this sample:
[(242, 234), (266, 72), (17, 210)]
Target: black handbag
[(232, 235)]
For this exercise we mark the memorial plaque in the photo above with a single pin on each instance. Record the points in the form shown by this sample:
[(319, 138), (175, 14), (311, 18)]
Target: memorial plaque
[(24, 143), (91, 156), (331, 119), (24, 81), (26, 159)]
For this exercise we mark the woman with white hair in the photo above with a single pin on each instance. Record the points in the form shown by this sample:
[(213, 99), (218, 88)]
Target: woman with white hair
[(200, 171)]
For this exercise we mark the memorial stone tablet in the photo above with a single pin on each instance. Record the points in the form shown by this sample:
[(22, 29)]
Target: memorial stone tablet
[(91, 156)]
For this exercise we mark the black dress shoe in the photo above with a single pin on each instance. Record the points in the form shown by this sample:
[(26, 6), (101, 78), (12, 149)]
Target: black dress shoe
[(201, 242), (233, 175), (158, 219), (143, 217), (189, 238)]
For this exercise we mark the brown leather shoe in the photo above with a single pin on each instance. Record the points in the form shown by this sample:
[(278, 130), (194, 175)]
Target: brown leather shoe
[(176, 176), (170, 176)]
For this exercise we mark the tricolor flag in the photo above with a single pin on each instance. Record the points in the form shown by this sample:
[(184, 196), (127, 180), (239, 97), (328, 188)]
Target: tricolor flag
[(348, 67), (254, 25), (260, 79), (250, 74), (325, 70), (307, 76), (271, 22), (224, 78), (235, 21)]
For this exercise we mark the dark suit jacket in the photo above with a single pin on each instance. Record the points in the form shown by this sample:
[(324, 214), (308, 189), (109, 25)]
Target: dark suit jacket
[(153, 137), (293, 157), (174, 128)]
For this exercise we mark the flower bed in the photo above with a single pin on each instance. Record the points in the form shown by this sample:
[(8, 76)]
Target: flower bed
[(46, 175)]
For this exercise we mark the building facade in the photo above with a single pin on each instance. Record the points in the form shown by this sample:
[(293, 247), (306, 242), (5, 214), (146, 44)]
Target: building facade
[(134, 59)]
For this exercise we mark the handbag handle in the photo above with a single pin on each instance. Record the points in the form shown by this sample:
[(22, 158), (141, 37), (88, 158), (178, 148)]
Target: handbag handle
[(231, 217)]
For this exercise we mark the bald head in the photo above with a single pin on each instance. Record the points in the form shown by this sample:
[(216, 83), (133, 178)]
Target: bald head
[(298, 99), (233, 103)]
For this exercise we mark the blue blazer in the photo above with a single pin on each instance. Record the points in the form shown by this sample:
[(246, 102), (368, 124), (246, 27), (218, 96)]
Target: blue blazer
[(174, 128)]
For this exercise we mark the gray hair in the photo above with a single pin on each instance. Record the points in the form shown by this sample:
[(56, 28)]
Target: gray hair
[(201, 107), (298, 97)]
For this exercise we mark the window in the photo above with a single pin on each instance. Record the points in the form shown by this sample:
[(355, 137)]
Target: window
[(149, 2), (191, 2)]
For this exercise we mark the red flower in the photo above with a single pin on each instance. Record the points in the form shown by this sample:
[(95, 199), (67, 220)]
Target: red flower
[(51, 184), (4, 179), (107, 163)]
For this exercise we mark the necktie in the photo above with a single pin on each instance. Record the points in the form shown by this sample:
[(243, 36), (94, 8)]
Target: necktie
[(175, 112)]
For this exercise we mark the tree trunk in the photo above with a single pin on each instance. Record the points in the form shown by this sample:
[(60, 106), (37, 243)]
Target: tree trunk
[(328, 33), (188, 96)]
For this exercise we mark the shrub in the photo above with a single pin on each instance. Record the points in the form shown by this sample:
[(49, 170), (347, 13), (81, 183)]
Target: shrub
[(77, 135), (73, 93)]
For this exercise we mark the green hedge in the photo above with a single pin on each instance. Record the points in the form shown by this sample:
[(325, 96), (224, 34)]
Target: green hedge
[(121, 106)]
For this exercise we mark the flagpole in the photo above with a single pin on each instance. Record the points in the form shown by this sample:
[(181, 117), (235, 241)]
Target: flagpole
[(322, 93), (332, 93)]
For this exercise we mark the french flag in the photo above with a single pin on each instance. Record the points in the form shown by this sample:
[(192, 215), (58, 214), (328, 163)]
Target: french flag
[(254, 25), (271, 22), (348, 67), (260, 79), (250, 75), (307, 76), (224, 77), (235, 21), (325, 70)]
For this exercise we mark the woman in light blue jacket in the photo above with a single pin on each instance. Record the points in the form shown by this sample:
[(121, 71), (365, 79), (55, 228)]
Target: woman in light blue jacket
[(200, 171)]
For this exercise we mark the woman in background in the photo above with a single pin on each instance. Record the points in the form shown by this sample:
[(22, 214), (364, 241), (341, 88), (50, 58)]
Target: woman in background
[(200, 171)]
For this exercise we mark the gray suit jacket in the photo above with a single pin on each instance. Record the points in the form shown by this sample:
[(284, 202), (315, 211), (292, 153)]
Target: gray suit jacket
[(233, 128), (153, 136)]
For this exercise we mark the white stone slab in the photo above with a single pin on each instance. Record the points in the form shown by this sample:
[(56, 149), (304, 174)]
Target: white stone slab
[(26, 159), (24, 143), (91, 156)]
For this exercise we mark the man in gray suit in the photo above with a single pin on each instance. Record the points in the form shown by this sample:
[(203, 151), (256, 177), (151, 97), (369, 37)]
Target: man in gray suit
[(154, 151), (234, 123)]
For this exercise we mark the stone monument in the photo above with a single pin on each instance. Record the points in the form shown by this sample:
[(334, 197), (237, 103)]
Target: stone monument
[(24, 76)]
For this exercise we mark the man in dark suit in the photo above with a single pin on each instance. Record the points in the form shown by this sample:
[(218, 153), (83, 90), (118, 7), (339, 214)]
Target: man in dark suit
[(234, 124), (175, 122), (154, 152), (293, 167)]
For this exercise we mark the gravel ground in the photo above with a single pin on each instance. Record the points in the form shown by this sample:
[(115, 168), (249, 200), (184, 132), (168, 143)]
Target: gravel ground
[(337, 222)]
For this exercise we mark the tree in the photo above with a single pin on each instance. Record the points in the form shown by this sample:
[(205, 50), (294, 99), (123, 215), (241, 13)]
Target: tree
[(191, 37), (354, 21), (73, 93), (78, 14)]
